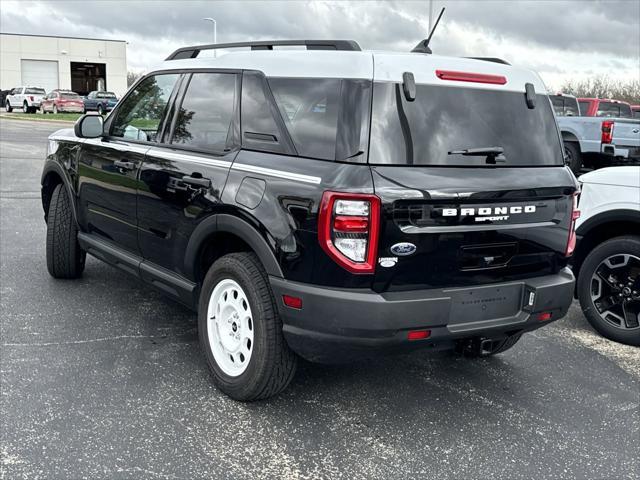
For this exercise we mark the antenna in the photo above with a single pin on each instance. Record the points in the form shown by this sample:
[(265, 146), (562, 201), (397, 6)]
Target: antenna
[(423, 46)]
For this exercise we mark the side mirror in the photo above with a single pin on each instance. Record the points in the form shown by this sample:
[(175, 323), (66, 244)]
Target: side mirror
[(89, 126)]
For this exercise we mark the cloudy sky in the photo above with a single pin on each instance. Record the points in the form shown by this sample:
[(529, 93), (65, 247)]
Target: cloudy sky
[(559, 39)]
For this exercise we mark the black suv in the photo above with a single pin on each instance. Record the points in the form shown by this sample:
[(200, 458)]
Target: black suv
[(306, 203)]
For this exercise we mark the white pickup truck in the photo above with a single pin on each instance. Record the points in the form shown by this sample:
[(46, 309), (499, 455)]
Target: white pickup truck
[(26, 98), (595, 141)]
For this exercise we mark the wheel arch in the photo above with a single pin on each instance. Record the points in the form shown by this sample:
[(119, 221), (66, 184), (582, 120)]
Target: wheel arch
[(602, 227), (568, 136), (53, 175), (230, 227)]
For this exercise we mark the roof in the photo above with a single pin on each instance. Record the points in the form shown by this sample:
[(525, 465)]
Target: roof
[(60, 36), (379, 66)]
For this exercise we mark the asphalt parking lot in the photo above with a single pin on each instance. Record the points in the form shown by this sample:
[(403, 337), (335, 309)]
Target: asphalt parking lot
[(102, 378)]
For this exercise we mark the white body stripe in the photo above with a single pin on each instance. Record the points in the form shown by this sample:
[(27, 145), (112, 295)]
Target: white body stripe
[(277, 173), (188, 157)]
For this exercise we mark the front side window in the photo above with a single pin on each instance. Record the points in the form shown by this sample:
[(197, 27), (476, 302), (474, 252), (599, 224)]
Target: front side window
[(206, 114), (140, 115)]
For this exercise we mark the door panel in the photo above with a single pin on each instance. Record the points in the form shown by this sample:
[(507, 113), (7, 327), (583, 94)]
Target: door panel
[(174, 196), (108, 180)]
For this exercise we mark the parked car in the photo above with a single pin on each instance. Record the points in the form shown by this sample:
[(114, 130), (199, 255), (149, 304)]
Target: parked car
[(62, 101), (596, 142), (635, 109), (598, 107), (26, 98), (307, 204), (565, 105), (607, 259), (102, 102)]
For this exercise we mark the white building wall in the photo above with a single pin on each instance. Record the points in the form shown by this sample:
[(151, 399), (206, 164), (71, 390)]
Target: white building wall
[(14, 48)]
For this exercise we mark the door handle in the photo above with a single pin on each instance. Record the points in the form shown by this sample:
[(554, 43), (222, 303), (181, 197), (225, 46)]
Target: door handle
[(196, 181), (124, 165)]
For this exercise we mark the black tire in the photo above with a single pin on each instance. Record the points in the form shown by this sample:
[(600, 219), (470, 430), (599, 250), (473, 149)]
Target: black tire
[(619, 245), (574, 156), (100, 109), (65, 258), (42, 111), (272, 364), (8, 107), (55, 109), (471, 348), (25, 107)]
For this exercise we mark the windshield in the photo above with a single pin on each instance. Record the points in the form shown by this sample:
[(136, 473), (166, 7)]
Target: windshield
[(452, 126), (35, 91), (69, 95)]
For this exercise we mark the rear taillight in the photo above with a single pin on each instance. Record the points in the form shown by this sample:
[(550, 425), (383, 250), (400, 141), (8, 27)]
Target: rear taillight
[(470, 77), (31, 98), (348, 226), (575, 214), (607, 131)]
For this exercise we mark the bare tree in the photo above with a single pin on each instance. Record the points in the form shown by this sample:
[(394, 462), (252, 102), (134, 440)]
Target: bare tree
[(604, 87), (132, 77)]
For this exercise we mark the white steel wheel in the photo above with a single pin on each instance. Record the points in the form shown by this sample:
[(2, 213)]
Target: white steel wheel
[(230, 327)]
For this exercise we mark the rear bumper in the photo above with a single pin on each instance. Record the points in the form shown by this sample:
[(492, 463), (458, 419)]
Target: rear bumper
[(629, 152), (336, 325), (70, 109)]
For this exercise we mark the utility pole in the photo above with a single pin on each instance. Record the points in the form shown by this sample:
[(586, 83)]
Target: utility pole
[(215, 31)]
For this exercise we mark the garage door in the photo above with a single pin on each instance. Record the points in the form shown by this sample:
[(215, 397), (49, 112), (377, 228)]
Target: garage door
[(40, 73)]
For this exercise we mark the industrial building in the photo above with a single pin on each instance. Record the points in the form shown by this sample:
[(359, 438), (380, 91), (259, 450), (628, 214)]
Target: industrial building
[(50, 62)]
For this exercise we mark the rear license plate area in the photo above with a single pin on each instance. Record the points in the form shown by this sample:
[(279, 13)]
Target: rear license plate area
[(485, 303)]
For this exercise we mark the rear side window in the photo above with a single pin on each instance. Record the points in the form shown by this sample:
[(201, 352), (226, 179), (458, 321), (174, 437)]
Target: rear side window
[(565, 106), (309, 108), (206, 113), (140, 115), (443, 122)]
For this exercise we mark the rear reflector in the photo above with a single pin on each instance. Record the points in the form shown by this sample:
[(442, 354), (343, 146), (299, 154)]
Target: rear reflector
[(470, 77), (575, 214), (544, 316), (418, 334), (292, 302)]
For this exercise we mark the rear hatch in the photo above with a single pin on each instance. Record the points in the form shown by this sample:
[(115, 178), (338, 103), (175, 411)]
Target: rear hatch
[(471, 178)]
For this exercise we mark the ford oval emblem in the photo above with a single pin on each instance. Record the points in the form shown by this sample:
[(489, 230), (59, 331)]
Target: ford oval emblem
[(403, 249)]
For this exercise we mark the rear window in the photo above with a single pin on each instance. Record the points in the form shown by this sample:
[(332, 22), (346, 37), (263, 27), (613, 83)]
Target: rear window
[(565, 106), (106, 95), (35, 91), (584, 107), (69, 95), (325, 117), (443, 121), (612, 109)]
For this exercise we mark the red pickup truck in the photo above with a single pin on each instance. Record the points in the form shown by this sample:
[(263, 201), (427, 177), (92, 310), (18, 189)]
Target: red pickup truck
[(598, 107)]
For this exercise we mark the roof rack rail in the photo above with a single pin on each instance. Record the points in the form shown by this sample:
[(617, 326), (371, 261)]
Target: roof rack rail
[(194, 51), (490, 59)]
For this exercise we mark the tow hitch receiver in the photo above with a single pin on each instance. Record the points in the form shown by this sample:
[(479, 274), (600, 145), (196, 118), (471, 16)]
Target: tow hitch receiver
[(477, 347)]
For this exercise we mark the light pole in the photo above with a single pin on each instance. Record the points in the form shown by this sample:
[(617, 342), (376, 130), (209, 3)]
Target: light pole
[(215, 31)]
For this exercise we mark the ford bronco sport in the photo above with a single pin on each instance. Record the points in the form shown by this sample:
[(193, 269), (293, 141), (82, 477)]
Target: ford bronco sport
[(328, 203)]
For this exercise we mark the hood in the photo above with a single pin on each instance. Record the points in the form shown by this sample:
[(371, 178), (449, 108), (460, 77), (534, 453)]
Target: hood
[(622, 176)]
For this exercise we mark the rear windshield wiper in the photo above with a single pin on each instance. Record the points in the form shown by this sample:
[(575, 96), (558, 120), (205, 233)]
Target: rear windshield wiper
[(493, 154)]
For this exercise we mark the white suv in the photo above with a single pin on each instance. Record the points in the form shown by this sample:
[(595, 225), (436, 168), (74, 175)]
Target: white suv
[(26, 98), (607, 259)]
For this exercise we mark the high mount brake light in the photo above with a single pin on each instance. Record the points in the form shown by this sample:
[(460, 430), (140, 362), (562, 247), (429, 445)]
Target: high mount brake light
[(348, 229), (471, 77), (575, 214), (607, 131)]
